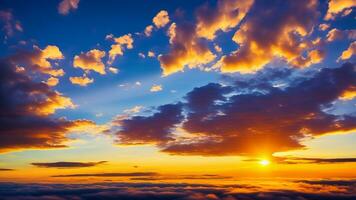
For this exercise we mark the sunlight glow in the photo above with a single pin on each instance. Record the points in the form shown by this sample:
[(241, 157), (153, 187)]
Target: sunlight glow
[(264, 162)]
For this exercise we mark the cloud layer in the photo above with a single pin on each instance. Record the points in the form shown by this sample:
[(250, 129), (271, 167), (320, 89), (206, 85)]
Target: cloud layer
[(301, 189)]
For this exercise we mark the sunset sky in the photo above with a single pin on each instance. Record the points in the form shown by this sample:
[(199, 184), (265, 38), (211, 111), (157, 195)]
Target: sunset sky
[(148, 92)]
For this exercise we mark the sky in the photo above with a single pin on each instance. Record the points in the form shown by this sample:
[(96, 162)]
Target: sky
[(180, 95)]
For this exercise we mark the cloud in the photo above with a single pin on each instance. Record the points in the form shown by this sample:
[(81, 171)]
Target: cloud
[(337, 7), (27, 103), (281, 189), (150, 129), (6, 169), (67, 5), (141, 55), (156, 88), (349, 52), (68, 164), (117, 49), (90, 61), (39, 60), (312, 57), (161, 19), (348, 94), (10, 25), (324, 27), (227, 15), (52, 81), (187, 50), (272, 29), (319, 160), (336, 34), (81, 80), (129, 174), (114, 70), (275, 119), (148, 30), (135, 109), (151, 54), (251, 116)]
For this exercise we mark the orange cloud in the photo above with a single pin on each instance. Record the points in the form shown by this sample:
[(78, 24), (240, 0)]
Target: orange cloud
[(118, 47), (337, 7), (267, 34), (90, 61), (67, 5), (33, 102), (324, 27), (40, 59), (312, 57), (151, 54), (348, 94), (148, 30), (349, 52), (161, 19), (227, 15), (156, 88), (81, 80), (52, 81), (186, 50)]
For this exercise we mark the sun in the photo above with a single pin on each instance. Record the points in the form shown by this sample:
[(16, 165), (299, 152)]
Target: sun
[(264, 162)]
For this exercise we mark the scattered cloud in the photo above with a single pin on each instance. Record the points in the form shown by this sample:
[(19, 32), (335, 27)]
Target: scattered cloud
[(349, 52), (161, 19), (65, 6), (10, 25), (339, 7), (324, 27), (141, 55), (52, 81), (148, 30), (117, 49), (67, 164), (156, 88), (114, 70), (90, 61), (81, 80), (151, 54), (135, 109)]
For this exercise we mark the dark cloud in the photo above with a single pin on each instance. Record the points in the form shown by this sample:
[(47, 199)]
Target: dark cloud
[(252, 116), (292, 160), (27, 105), (110, 174), (68, 164), (266, 119), (150, 129), (307, 190), (6, 169)]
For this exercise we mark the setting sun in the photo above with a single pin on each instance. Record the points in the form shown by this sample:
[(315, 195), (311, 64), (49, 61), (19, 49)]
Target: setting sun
[(264, 162)]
